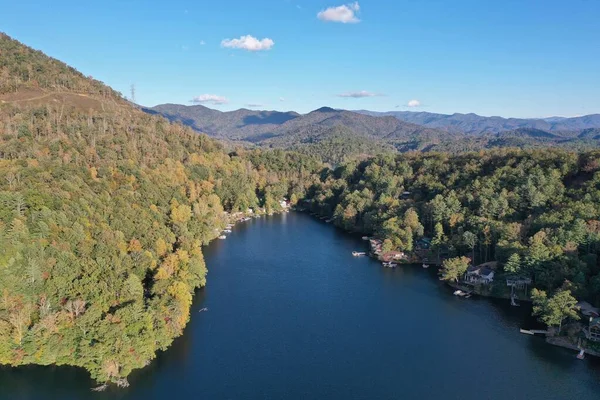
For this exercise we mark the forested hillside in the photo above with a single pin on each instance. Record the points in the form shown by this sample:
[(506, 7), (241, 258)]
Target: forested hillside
[(537, 212), (332, 145), (104, 208), (103, 212)]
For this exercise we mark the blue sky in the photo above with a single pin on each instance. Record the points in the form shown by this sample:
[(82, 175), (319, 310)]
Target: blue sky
[(520, 58)]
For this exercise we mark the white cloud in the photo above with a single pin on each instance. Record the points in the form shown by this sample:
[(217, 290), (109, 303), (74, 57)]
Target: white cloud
[(345, 14), (202, 43), (210, 99), (249, 43), (282, 99), (254, 105), (358, 95), (414, 103)]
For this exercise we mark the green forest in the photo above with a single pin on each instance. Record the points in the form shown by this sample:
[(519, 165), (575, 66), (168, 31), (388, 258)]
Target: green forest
[(535, 211), (104, 210)]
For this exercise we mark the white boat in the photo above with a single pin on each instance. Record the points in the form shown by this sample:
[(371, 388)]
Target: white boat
[(389, 264), (227, 230), (358, 253), (222, 237), (365, 238), (581, 354), (425, 266), (460, 293)]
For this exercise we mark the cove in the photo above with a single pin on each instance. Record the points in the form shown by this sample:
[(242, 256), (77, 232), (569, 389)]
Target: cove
[(293, 315)]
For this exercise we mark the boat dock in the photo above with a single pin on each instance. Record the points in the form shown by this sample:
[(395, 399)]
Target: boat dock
[(533, 331)]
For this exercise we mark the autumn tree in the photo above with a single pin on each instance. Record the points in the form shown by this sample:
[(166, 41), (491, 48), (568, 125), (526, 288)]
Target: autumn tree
[(453, 268), (555, 310)]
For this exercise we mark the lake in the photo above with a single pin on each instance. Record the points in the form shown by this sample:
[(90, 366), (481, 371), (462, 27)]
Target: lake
[(292, 315)]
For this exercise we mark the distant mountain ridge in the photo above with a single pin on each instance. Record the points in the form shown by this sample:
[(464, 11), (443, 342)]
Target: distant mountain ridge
[(325, 130), (473, 124), (258, 126)]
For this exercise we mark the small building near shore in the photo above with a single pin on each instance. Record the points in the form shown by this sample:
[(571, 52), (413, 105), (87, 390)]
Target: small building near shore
[(394, 256), (518, 282), (376, 246), (423, 243), (482, 274), (594, 329)]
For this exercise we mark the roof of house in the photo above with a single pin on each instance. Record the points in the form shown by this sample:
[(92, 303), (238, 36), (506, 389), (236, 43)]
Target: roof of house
[(490, 264), (391, 254), (588, 309), (485, 269), (515, 279)]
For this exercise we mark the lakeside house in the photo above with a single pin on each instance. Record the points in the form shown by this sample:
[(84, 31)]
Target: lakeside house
[(283, 203), (376, 246), (394, 256), (518, 282), (482, 274), (423, 243), (594, 329)]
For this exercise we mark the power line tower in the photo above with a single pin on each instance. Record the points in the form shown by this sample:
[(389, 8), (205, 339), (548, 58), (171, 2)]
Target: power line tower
[(133, 93)]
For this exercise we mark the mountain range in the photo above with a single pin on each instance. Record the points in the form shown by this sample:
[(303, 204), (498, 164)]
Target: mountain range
[(258, 126), (473, 124), (371, 132)]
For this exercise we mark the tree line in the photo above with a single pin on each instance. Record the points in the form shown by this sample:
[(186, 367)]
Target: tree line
[(536, 212)]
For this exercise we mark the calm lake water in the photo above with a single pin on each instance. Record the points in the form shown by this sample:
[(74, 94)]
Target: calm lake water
[(292, 315)]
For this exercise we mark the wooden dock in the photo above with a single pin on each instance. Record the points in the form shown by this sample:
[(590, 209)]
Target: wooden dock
[(533, 332)]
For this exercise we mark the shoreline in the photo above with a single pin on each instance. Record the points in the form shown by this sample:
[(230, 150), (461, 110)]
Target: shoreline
[(559, 341), (233, 220)]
